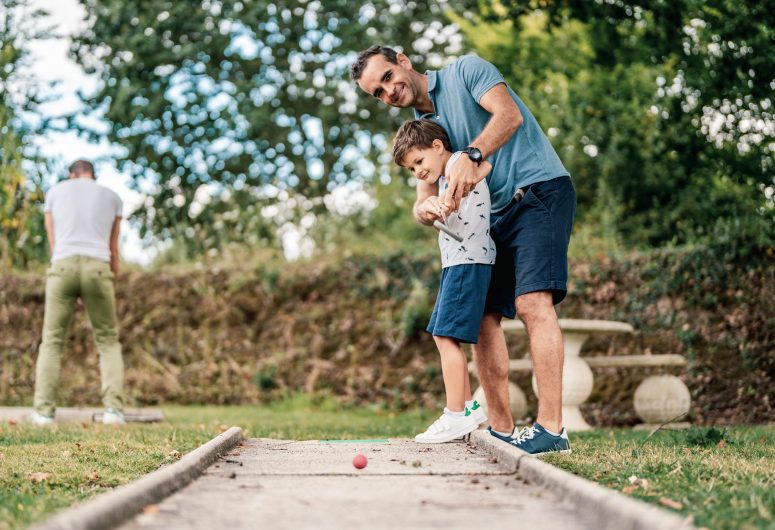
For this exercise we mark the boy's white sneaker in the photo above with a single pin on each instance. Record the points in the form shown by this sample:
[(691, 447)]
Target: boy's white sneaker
[(477, 412), (113, 417), (447, 428), (39, 419)]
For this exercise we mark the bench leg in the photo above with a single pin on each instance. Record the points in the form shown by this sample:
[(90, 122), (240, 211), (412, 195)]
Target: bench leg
[(577, 381), (517, 400)]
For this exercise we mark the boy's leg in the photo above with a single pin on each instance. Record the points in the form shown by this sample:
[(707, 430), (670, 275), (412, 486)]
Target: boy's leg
[(455, 372), (100, 301), (61, 293)]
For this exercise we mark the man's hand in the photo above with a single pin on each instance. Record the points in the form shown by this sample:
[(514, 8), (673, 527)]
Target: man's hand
[(463, 178)]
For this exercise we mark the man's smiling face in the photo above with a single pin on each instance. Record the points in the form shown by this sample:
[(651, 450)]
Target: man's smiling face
[(390, 83)]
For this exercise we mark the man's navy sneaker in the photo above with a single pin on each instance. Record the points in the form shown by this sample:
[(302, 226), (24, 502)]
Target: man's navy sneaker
[(509, 439), (536, 441)]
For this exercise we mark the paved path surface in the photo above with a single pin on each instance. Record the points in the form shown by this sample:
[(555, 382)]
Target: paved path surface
[(275, 484)]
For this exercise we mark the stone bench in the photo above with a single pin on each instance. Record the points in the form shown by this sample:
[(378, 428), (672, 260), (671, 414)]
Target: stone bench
[(658, 399)]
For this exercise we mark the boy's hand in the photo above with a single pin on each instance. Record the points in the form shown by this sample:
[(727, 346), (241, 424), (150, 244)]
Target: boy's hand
[(429, 210)]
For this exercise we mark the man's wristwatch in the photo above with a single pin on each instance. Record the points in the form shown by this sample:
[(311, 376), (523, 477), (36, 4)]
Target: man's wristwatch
[(474, 154)]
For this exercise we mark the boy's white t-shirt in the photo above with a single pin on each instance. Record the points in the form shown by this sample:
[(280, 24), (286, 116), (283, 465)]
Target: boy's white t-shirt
[(83, 213), (472, 222)]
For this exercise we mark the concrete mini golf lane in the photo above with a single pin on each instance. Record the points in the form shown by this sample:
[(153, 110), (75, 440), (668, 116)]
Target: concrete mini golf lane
[(276, 484)]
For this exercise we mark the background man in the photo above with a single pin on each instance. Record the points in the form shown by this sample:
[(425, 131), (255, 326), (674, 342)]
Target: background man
[(82, 223), (533, 207)]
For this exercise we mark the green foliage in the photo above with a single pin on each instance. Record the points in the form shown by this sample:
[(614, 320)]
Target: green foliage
[(386, 224), (22, 235), (662, 112), (706, 436), (417, 310), (236, 101)]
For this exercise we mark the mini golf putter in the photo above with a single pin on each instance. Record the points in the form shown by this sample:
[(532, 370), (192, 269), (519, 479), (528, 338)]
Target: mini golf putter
[(447, 230)]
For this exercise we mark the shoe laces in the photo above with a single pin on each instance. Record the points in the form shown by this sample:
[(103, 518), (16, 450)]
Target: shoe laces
[(528, 433)]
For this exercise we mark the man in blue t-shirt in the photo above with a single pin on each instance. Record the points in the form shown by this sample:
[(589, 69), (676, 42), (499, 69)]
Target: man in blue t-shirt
[(533, 207)]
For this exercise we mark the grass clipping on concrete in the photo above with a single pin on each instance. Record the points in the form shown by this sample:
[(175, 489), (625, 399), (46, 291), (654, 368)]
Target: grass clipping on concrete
[(724, 478)]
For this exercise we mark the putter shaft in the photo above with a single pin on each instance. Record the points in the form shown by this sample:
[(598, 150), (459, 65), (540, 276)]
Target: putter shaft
[(451, 233)]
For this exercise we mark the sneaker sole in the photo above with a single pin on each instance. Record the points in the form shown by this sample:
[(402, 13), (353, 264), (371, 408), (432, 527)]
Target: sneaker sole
[(563, 452), (451, 437)]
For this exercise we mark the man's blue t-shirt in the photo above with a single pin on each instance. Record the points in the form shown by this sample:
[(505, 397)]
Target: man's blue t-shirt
[(526, 158)]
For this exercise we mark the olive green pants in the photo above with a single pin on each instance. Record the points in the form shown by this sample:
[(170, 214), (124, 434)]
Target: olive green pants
[(67, 280)]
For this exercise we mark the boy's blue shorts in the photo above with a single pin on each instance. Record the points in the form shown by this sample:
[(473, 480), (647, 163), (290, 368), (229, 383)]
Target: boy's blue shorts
[(460, 303), (531, 237)]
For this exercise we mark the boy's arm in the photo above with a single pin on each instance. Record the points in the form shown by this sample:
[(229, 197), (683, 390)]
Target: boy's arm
[(423, 211), (504, 121)]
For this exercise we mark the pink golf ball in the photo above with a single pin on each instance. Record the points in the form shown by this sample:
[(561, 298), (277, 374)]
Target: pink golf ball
[(360, 461)]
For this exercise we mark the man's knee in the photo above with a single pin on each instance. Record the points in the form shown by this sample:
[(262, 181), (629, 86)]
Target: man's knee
[(490, 326), (535, 306)]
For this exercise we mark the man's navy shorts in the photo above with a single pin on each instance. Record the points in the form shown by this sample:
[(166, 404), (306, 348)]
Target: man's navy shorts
[(460, 303), (531, 237)]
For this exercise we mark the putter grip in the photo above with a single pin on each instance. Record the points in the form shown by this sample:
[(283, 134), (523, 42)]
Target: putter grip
[(444, 228)]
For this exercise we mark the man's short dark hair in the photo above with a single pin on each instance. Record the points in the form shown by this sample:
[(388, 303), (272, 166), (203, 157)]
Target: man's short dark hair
[(81, 167), (356, 70), (418, 134)]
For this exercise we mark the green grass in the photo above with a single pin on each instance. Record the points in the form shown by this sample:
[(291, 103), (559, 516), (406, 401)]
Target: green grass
[(725, 478), (86, 460)]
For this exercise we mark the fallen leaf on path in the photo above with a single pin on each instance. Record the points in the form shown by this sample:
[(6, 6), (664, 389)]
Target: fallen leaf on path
[(38, 476), (151, 509), (670, 503), (416, 463)]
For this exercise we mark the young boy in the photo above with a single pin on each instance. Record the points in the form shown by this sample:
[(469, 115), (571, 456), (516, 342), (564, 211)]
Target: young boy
[(423, 147)]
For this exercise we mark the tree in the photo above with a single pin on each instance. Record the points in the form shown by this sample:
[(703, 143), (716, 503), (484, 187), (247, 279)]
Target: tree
[(663, 110), (237, 101), (22, 238)]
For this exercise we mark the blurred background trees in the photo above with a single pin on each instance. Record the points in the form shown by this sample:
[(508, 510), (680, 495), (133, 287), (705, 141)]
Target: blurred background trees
[(237, 120), (22, 236)]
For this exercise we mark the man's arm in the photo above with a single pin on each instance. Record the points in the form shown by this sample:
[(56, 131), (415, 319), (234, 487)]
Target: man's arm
[(48, 220), (114, 256), (504, 122), (423, 212)]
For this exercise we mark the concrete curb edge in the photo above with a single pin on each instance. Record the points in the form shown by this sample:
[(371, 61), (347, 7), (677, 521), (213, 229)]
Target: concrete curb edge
[(612, 509), (117, 506)]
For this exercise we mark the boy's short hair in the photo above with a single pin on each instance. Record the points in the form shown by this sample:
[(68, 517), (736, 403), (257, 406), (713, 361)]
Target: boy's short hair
[(81, 167), (356, 70), (418, 134)]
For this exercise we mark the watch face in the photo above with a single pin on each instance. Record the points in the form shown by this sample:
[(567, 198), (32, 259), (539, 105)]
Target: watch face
[(474, 154)]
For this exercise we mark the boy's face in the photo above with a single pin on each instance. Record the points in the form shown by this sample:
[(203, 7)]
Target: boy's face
[(426, 164)]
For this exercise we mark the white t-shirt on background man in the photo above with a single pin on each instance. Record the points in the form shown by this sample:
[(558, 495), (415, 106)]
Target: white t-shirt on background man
[(83, 213)]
